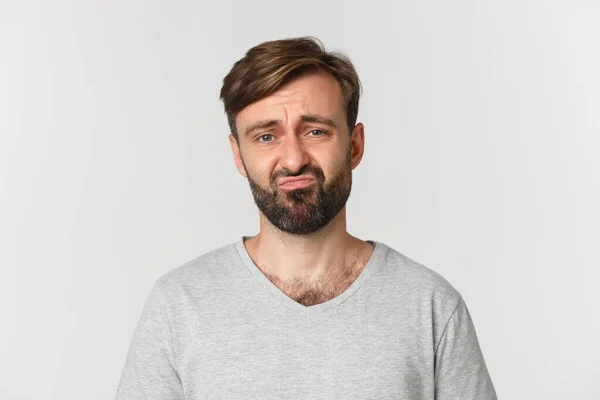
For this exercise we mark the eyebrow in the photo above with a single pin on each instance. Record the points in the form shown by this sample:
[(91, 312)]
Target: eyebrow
[(305, 118)]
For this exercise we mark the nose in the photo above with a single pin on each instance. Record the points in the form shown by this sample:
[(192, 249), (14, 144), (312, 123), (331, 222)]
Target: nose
[(293, 154)]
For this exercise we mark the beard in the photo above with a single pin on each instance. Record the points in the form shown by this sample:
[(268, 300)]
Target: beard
[(305, 210)]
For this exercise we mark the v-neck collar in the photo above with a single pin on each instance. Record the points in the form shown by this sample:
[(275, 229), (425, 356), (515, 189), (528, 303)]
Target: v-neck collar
[(373, 261)]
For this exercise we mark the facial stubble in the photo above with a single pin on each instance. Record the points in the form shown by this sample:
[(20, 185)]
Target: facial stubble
[(305, 210)]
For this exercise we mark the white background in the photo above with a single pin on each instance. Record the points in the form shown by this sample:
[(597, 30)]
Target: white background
[(482, 140)]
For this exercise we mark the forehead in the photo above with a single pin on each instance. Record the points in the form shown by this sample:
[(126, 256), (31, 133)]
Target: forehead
[(317, 93)]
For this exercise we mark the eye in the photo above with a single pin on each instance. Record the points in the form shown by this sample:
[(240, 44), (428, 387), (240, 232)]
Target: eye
[(263, 136), (322, 133)]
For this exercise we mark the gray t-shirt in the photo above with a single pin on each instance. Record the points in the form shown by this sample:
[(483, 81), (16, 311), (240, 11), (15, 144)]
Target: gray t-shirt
[(217, 328)]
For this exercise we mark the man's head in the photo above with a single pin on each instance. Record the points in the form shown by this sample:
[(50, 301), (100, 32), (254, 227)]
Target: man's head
[(292, 110)]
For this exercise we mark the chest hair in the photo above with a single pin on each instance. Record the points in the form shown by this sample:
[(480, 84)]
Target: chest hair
[(316, 291)]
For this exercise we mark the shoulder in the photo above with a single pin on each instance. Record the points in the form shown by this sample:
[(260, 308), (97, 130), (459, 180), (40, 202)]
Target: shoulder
[(208, 270), (416, 282)]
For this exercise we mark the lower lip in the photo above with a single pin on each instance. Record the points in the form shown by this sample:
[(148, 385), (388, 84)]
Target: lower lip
[(299, 184)]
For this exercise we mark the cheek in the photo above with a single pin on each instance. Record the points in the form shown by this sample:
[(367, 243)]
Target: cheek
[(260, 170), (331, 164), (336, 167)]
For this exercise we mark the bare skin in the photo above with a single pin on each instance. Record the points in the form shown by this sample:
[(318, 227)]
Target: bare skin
[(315, 267), (311, 290)]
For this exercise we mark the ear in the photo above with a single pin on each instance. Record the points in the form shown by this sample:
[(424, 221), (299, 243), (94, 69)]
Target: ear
[(357, 142), (235, 149)]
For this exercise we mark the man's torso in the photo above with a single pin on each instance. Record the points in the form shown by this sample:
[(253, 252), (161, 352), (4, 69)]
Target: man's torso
[(237, 335)]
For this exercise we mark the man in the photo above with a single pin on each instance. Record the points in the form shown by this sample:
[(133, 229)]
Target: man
[(303, 309)]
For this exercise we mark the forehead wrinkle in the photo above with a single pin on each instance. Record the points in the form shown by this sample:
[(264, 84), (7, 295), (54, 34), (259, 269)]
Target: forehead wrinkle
[(287, 103), (317, 97)]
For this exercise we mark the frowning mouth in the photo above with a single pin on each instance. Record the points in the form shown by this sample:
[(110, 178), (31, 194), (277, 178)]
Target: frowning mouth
[(296, 182)]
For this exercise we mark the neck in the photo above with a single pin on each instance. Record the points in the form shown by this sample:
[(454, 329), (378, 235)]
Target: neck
[(327, 252)]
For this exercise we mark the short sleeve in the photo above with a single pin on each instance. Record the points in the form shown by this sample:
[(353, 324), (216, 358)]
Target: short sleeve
[(150, 369), (460, 369)]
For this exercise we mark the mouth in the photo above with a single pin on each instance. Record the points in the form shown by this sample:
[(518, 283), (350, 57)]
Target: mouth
[(298, 182)]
